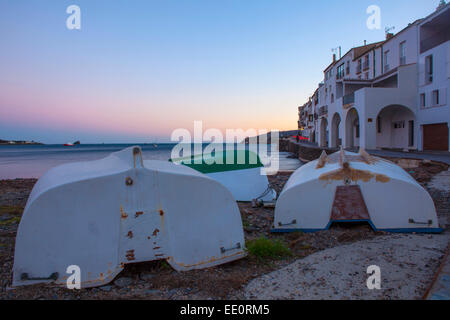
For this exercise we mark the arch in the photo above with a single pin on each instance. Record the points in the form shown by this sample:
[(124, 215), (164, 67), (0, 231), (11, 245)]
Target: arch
[(335, 138), (352, 130), (324, 132), (396, 128)]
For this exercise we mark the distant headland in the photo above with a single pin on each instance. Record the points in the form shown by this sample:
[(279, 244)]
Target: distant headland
[(12, 142)]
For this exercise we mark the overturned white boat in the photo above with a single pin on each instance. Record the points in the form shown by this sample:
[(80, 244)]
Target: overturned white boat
[(240, 171), (350, 187), (101, 215)]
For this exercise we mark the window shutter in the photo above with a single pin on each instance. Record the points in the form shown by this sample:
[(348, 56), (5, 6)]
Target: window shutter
[(422, 74), (448, 60), (443, 96)]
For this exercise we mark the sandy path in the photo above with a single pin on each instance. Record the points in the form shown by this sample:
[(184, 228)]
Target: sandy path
[(407, 263)]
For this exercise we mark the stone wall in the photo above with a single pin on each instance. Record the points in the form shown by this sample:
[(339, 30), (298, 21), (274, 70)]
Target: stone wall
[(303, 151)]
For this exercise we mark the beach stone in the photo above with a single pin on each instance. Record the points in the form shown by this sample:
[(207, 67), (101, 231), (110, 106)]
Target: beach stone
[(147, 276), (106, 288), (123, 282)]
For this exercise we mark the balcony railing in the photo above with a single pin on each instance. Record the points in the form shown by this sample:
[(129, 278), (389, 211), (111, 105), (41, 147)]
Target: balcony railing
[(348, 99), (323, 110), (365, 66), (358, 69)]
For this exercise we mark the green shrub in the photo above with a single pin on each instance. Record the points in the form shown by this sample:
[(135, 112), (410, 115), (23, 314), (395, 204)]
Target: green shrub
[(264, 248), (10, 221)]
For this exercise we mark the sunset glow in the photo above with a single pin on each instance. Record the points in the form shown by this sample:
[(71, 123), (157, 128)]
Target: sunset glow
[(134, 74)]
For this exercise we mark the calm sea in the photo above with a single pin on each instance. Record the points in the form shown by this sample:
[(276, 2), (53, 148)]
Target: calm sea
[(31, 161)]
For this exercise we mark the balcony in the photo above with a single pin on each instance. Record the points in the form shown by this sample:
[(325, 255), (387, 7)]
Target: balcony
[(435, 32), (358, 69), (348, 100), (323, 111), (366, 66)]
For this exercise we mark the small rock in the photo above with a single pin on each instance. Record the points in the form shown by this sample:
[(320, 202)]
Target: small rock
[(106, 288), (147, 276), (152, 291), (123, 282)]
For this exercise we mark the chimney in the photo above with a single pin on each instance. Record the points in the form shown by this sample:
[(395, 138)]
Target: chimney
[(334, 57), (365, 43), (389, 35)]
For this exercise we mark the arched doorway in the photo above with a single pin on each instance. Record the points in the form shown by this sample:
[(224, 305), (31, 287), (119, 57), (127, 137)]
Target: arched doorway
[(396, 128), (336, 140), (324, 132), (352, 129)]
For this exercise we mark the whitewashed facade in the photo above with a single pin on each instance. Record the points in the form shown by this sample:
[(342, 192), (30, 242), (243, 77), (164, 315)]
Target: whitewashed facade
[(391, 94)]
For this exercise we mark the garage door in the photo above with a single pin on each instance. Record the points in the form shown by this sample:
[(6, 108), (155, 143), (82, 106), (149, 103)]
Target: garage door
[(435, 137)]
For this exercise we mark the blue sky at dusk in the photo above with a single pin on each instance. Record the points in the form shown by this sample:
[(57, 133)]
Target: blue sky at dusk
[(137, 70)]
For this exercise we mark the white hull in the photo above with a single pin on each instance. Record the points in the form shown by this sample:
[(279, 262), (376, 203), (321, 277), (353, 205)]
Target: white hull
[(101, 215), (380, 192), (246, 185)]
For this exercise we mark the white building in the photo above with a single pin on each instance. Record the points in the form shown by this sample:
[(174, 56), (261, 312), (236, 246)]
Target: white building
[(391, 94)]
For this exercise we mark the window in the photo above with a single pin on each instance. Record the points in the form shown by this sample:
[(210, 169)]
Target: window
[(435, 97), (340, 72), (359, 67), (379, 124), (403, 53), (332, 98), (366, 62), (386, 61), (429, 69), (423, 103), (399, 125), (348, 68), (411, 133), (366, 75)]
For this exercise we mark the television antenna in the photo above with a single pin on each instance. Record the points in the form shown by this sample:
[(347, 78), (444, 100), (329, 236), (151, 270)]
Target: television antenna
[(388, 29), (336, 50)]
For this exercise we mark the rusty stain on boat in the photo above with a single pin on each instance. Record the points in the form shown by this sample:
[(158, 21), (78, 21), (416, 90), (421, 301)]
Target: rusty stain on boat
[(130, 255), (139, 213), (353, 175), (123, 214), (155, 232), (130, 234)]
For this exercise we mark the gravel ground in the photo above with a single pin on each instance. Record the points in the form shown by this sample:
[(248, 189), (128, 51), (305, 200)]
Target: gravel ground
[(156, 280), (406, 263)]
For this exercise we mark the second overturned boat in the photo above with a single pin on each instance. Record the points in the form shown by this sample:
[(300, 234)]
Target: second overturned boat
[(350, 187), (240, 171)]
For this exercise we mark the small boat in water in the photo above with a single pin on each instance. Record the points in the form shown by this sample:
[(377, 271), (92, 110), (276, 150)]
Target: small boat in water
[(100, 215), (72, 144), (240, 171), (350, 187)]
